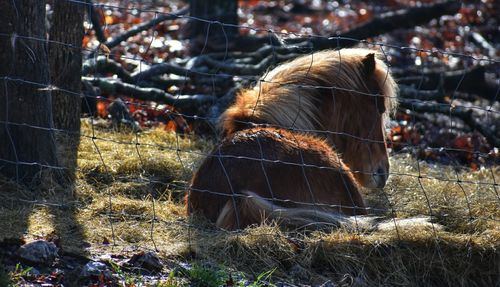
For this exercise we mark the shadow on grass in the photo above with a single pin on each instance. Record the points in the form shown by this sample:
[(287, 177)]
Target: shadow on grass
[(47, 210)]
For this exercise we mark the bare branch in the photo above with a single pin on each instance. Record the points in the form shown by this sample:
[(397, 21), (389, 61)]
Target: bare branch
[(96, 23), (115, 87), (464, 114), (472, 80), (144, 26), (384, 23), (246, 69), (102, 64)]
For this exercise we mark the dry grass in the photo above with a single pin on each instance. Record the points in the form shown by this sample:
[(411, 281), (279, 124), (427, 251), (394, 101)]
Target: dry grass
[(121, 186)]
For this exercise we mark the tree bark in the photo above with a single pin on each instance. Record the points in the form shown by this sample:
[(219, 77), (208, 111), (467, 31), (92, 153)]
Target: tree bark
[(212, 36), (27, 144), (65, 74), (66, 64)]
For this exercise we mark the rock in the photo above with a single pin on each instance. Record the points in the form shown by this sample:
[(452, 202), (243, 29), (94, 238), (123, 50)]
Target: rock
[(95, 269), (299, 272), (38, 252), (146, 260), (33, 272)]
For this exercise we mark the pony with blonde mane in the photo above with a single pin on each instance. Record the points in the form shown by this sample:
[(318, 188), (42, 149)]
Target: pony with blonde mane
[(344, 96), (297, 145)]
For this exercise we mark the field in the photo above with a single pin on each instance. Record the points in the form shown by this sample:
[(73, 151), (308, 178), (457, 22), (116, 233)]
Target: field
[(127, 197), (149, 80)]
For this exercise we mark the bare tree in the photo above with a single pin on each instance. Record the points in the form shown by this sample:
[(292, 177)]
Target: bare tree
[(66, 34), (218, 28), (26, 140)]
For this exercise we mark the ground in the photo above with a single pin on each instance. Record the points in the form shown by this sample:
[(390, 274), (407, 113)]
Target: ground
[(127, 198)]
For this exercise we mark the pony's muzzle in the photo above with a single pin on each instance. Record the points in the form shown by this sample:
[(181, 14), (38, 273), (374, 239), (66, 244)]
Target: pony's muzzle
[(380, 177)]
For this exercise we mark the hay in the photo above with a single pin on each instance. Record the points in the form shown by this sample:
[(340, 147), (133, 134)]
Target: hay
[(144, 184)]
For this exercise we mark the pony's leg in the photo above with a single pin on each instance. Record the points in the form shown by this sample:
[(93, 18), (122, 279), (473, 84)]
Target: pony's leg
[(242, 212), (227, 217)]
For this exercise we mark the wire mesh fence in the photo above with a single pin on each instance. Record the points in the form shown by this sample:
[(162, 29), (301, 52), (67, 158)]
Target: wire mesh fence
[(336, 159)]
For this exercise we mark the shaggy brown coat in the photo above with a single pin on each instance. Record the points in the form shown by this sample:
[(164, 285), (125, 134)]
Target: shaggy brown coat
[(286, 169)]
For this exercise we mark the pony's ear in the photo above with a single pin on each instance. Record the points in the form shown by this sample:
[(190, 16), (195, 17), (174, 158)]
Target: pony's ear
[(369, 69), (369, 64)]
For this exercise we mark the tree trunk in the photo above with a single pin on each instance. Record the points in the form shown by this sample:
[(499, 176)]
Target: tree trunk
[(212, 36), (26, 140), (66, 64), (65, 74)]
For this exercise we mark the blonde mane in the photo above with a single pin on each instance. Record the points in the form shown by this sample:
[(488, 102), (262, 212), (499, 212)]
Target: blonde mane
[(289, 95)]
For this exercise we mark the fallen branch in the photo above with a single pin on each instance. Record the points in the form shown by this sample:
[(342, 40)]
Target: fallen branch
[(383, 23), (150, 77), (144, 26), (161, 83), (255, 56), (386, 22), (104, 65), (199, 75), (472, 80), (163, 68), (222, 104), (408, 92), (479, 39), (247, 69), (114, 87), (464, 114)]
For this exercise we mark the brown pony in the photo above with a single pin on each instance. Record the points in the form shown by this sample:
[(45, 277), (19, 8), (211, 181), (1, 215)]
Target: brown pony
[(343, 96), (289, 170), (264, 173)]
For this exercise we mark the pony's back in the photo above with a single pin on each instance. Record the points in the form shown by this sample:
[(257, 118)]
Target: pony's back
[(291, 95), (286, 169)]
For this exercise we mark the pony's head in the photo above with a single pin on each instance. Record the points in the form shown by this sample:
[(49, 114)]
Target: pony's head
[(355, 111), (344, 95)]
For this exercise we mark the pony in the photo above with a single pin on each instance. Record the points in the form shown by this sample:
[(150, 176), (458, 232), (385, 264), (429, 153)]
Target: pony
[(263, 172), (344, 96), (298, 145)]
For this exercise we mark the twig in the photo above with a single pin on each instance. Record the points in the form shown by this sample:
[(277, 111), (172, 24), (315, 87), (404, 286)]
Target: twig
[(144, 26)]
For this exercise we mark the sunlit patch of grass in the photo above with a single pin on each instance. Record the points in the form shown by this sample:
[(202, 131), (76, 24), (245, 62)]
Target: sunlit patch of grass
[(462, 201)]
